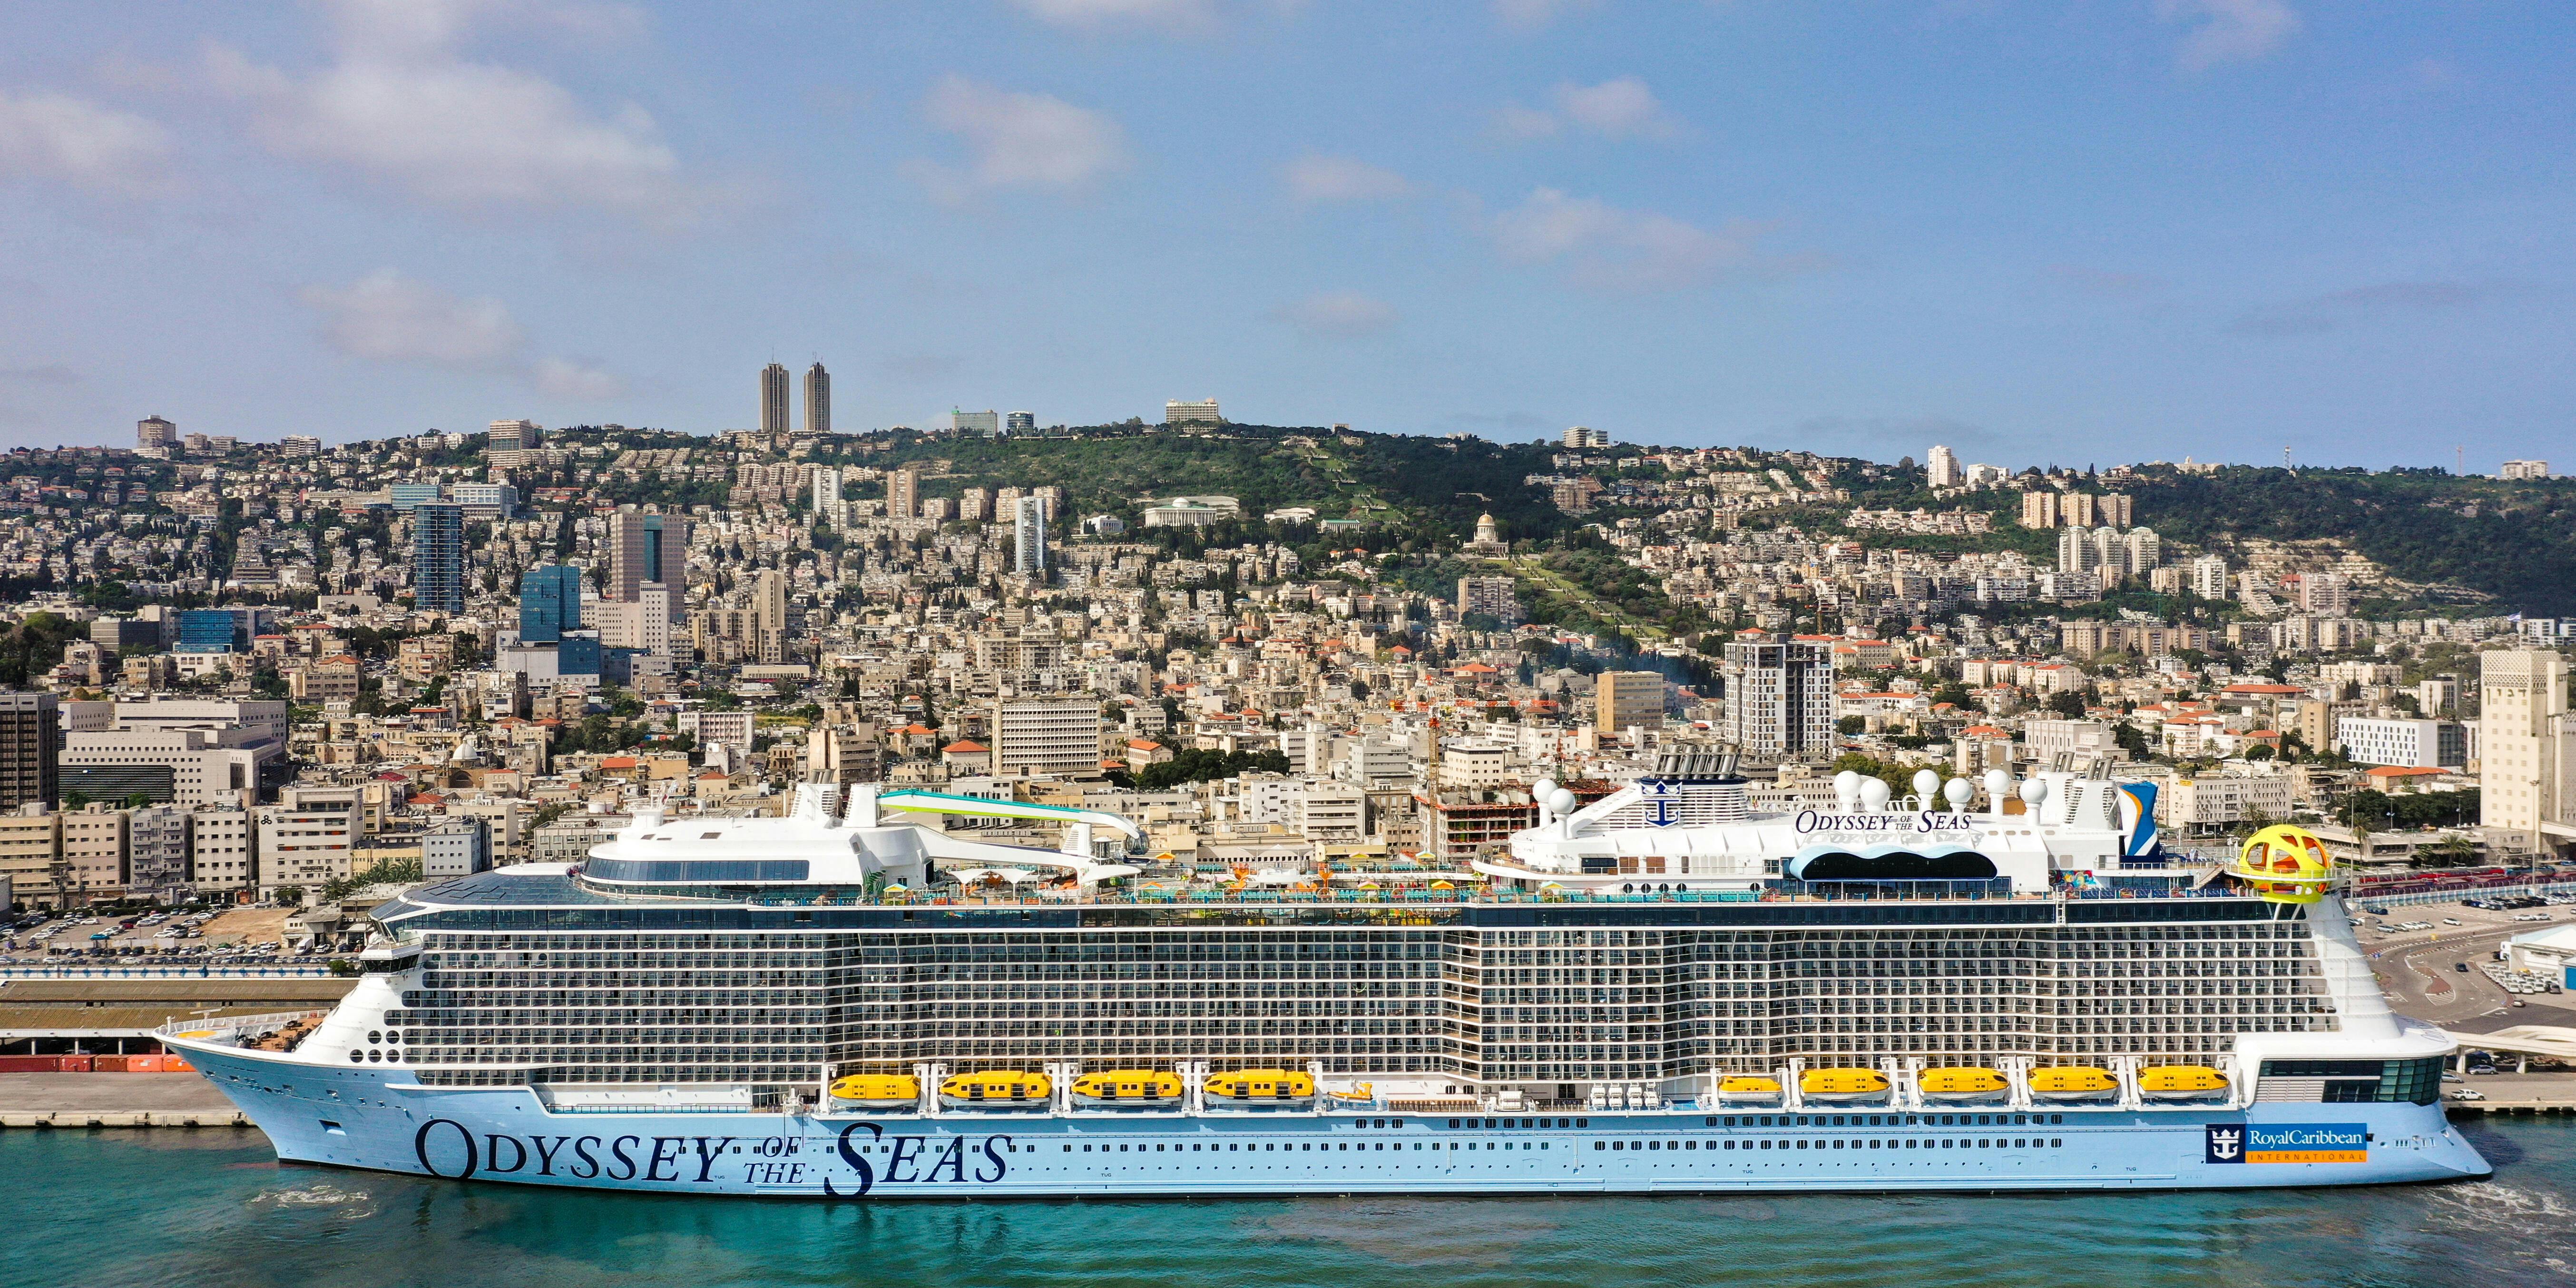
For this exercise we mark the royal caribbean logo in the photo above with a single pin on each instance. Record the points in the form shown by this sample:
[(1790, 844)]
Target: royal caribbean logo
[(1660, 797), (2288, 1143)]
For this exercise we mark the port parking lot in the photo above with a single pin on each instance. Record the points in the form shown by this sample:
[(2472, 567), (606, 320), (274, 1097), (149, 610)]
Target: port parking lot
[(2418, 970)]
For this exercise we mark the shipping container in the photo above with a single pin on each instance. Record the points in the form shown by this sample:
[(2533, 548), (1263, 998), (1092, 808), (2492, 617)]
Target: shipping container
[(30, 1063), (174, 1063), (73, 1063), (107, 1064)]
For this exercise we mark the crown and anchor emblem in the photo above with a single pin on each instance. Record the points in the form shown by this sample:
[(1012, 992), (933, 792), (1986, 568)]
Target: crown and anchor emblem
[(1660, 797), (2225, 1144)]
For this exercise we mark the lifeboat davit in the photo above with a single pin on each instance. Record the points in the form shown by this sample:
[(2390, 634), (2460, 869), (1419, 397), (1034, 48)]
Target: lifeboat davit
[(1128, 1087), (2072, 1082), (1261, 1087), (996, 1089), (1834, 1086), (878, 1090), (1970, 1083), (2180, 1082), (1745, 1088)]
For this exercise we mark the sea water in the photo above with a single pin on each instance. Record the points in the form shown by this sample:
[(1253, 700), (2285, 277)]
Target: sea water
[(213, 1209)]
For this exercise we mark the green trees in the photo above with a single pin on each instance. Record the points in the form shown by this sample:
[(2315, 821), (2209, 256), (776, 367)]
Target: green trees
[(1195, 765), (34, 646)]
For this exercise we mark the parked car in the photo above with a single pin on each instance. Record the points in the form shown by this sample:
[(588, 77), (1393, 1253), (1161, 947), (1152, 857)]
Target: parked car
[(2463, 1093), (2462, 967)]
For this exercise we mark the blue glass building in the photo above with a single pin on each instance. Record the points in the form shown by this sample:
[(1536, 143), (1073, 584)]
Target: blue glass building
[(438, 557), (549, 604), (212, 630), (578, 653)]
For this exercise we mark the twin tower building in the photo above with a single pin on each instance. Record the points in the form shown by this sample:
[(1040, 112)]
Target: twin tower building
[(773, 399)]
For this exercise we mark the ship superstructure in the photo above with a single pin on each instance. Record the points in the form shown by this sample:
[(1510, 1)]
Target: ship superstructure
[(1665, 989)]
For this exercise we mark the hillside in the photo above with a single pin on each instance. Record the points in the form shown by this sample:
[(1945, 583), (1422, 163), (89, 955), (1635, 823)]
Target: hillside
[(1435, 487), (2501, 546), (2513, 541), (2507, 546)]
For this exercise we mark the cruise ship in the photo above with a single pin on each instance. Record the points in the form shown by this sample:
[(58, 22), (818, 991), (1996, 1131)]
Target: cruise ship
[(1979, 986)]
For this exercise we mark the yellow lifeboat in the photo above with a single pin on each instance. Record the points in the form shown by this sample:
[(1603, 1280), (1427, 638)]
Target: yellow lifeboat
[(1970, 1083), (997, 1088), (1127, 1087), (1835, 1085), (1747, 1087), (2072, 1082), (1364, 1093), (878, 1090), (2180, 1082), (1261, 1086)]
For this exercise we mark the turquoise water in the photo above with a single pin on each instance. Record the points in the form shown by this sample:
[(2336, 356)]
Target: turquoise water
[(180, 1209)]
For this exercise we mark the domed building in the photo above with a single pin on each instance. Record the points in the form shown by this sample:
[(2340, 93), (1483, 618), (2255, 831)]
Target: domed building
[(1489, 539)]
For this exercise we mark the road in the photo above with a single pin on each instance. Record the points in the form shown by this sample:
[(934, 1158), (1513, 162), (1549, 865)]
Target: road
[(2419, 970)]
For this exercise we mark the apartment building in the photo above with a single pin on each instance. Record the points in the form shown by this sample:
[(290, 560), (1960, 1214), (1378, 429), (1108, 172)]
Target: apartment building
[(31, 856), (223, 850), (304, 847), (1046, 737), (94, 853)]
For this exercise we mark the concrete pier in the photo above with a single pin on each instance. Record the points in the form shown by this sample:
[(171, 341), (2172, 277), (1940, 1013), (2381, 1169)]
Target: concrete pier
[(52, 1101)]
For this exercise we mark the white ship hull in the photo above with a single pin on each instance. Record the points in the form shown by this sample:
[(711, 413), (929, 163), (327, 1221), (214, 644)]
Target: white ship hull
[(356, 1118)]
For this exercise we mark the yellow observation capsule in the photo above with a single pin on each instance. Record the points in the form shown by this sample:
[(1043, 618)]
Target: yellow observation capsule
[(2285, 865)]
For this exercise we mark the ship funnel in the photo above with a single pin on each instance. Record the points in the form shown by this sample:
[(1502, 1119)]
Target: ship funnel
[(862, 811)]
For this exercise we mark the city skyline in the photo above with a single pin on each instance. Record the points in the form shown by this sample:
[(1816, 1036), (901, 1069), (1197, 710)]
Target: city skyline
[(2243, 227)]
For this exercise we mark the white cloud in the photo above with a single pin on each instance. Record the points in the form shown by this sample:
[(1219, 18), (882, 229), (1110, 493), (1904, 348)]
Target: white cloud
[(1171, 15), (49, 136), (387, 317), (1323, 178), (1621, 108), (1526, 123), (402, 105), (1338, 315), (1018, 140), (2229, 31), (1604, 247), (562, 378), (1535, 15)]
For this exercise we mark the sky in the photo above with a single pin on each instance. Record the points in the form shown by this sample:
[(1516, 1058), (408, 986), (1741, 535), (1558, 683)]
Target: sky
[(2037, 231)]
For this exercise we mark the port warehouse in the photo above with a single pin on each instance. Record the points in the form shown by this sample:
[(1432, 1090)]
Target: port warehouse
[(58, 1018)]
